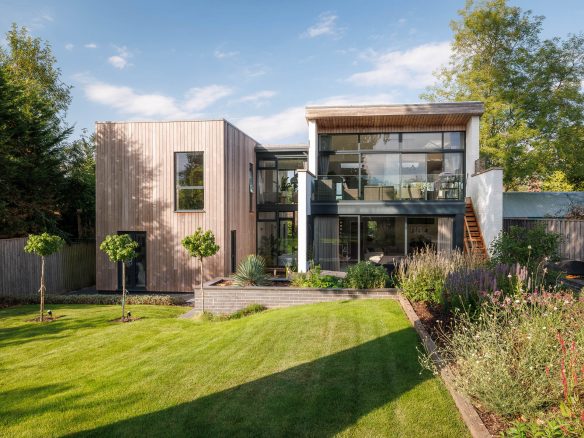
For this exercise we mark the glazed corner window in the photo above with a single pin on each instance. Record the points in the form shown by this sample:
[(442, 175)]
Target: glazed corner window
[(189, 177)]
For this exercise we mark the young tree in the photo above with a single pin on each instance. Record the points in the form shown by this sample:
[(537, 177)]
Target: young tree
[(120, 248), (533, 123), (201, 244), (43, 245)]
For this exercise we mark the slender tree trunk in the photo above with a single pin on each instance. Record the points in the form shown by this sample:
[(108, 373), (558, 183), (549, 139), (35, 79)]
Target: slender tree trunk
[(202, 290), (42, 289), (123, 290)]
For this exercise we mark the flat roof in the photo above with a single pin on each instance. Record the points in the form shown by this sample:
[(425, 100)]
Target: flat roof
[(413, 114), (533, 205), (294, 147)]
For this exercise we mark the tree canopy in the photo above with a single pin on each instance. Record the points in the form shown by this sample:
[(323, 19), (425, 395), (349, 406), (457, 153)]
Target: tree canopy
[(533, 125), (43, 179)]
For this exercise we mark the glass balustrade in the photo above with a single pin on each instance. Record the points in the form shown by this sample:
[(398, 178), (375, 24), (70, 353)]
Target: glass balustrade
[(433, 187)]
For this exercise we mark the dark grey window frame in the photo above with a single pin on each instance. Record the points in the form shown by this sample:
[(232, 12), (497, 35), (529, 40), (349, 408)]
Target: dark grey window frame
[(177, 187), (401, 151)]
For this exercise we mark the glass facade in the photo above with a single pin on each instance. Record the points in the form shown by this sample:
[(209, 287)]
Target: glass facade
[(277, 199), (391, 166), (340, 241)]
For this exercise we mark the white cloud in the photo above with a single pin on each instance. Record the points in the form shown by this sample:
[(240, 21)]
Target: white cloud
[(90, 46), (120, 61), (130, 102), (260, 95), (219, 54), (287, 124), (69, 46), (325, 25), (290, 123), (254, 71), (410, 68), (200, 98)]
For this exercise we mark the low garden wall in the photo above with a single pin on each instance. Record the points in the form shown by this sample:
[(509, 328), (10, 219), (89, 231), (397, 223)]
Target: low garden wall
[(228, 299)]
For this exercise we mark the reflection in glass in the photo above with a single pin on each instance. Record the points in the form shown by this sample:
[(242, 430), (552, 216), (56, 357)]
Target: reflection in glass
[(421, 140), (380, 142), (267, 242), (338, 142), (382, 238), (267, 186), (454, 140), (380, 177)]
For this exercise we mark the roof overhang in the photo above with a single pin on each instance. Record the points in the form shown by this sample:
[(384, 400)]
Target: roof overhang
[(372, 116)]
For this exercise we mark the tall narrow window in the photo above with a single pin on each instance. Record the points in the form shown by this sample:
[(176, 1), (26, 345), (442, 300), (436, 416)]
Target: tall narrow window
[(250, 177), (189, 177)]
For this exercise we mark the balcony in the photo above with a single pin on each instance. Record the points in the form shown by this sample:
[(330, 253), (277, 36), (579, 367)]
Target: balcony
[(334, 188)]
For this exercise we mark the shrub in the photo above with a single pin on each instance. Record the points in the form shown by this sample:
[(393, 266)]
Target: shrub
[(508, 357), (251, 272), (314, 279), (366, 275), (157, 300), (246, 311), (527, 247), (422, 275)]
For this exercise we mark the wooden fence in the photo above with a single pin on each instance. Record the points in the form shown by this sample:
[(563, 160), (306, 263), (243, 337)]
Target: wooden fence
[(572, 231), (71, 268)]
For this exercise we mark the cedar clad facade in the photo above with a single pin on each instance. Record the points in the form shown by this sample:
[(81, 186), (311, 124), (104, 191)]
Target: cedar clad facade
[(136, 193)]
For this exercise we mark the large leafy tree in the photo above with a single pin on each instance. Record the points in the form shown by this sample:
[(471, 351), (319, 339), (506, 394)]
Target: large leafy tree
[(534, 104), (33, 101)]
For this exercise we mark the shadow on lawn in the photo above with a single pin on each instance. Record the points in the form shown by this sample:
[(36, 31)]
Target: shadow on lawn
[(30, 331), (319, 398)]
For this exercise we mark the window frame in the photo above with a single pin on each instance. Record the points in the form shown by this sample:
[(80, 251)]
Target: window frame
[(177, 187)]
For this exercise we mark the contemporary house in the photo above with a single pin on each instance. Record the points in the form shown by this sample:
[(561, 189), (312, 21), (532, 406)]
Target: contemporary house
[(373, 183)]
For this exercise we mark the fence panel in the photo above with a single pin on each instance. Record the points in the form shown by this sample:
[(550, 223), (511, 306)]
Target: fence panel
[(71, 268), (572, 231)]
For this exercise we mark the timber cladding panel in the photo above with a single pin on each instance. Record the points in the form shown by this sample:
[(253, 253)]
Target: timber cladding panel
[(135, 192), (71, 268)]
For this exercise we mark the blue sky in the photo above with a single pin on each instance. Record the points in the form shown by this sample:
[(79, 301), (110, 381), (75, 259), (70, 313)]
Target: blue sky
[(254, 63)]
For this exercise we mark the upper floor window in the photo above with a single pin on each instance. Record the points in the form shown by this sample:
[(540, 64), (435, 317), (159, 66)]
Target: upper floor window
[(189, 181), (391, 142)]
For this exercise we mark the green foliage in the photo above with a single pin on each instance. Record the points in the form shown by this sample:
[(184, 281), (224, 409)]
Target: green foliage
[(32, 132), (557, 182), (366, 275), (246, 311), (314, 279), (78, 187), (534, 104), (421, 276), (119, 247), (43, 244), (251, 272), (157, 300), (528, 247), (201, 244), (513, 359)]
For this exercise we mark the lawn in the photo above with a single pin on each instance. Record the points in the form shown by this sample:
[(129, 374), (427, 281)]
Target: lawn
[(347, 369)]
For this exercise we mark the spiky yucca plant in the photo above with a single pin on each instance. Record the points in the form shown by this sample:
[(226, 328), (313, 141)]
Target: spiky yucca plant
[(251, 272)]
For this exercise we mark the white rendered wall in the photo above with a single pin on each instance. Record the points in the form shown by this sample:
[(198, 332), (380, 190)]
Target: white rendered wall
[(312, 146), (472, 148), (486, 191), (304, 197)]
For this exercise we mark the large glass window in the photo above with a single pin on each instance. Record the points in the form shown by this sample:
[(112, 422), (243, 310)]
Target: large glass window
[(189, 181), (339, 142), (390, 166), (379, 142), (340, 241), (277, 181), (421, 140)]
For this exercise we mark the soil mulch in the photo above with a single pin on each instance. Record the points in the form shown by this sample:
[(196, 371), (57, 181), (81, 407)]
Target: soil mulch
[(126, 319), (438, 323), (229, 283), (46, 318)]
